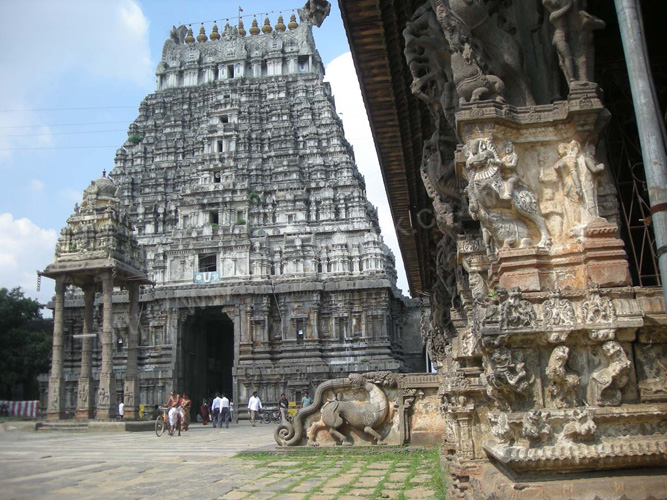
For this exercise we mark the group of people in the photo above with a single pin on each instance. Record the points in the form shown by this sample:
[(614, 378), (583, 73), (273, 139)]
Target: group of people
[(255, 406), (178, 416), (220, 411)]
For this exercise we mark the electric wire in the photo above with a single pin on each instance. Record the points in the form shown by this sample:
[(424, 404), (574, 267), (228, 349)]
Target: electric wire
[(62, 124)]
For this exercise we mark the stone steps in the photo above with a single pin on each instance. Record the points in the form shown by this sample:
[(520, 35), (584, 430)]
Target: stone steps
[(63, 426)]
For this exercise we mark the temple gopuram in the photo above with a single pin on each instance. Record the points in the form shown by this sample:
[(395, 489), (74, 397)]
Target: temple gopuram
[(266, 265)]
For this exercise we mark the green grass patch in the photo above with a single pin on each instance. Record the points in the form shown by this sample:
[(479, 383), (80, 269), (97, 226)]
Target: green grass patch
[(354, 464)]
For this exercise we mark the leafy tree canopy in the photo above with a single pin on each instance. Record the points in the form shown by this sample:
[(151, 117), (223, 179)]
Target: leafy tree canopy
[(25, 344)]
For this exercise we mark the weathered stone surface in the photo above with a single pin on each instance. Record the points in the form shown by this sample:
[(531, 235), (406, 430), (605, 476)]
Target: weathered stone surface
[(538, 357)]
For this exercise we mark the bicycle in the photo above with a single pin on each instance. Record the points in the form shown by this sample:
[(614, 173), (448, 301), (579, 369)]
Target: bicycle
[(273, 415), (270, 415), (162, 421)]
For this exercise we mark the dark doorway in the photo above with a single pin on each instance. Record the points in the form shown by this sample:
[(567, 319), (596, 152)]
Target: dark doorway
[(208, 356)]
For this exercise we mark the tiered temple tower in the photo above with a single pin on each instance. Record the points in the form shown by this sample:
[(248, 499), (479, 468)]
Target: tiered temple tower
[(270, 270)]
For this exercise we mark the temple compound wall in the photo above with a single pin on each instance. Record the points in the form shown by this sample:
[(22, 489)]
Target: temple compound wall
[(269, 269)]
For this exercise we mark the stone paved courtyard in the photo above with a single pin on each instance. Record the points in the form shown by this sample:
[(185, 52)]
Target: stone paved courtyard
[(202, 463)]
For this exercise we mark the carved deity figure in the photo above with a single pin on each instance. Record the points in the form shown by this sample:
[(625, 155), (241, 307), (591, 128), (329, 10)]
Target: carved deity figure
[(604, 386), (573, 37), (563, 386), (557, 311), (493, 186), (578, 173)]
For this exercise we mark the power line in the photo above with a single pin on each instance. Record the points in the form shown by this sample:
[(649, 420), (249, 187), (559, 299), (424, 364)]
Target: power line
[(58, 147), (236, 16), (61, 124), (63, 109), (65, 133)]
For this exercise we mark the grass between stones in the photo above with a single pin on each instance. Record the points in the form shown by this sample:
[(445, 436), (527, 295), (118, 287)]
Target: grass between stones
[(335, 473)]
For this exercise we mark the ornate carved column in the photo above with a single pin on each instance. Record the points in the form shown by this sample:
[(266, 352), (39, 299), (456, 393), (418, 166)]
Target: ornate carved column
[(106, 395), (131, 389), (84, 403), (56, 405)]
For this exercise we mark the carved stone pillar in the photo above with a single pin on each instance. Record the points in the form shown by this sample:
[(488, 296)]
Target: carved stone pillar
[(56, 404), (106, 395), (313, 332), (85, 399), (131, 389)]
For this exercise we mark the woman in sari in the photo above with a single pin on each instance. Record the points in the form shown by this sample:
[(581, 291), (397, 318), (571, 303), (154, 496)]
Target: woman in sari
[(205, 413)]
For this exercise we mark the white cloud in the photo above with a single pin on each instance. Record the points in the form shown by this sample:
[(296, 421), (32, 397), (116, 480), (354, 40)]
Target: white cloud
[(340, 73), (24, 248), (36, 185)]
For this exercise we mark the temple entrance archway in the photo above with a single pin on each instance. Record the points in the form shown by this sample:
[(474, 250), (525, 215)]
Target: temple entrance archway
[(208, 355)]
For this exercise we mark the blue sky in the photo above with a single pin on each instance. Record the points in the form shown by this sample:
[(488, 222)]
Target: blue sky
[(58, 55)]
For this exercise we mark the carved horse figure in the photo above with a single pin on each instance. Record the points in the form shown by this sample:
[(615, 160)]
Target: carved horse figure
[(489, 190), (365, 416)]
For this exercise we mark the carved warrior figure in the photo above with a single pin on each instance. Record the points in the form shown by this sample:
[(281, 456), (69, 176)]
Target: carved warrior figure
[(466, 20), (573, 37), (563, 385), (427, 54), (604, 386), (366, 416), (506, 377), (517, 313), (493, 186)]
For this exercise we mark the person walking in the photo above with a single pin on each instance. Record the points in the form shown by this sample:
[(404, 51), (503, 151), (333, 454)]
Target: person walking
[(215, 407), (186, 404), (283, 405), (306, 400), (224, 411), (205, 412), (254, 406)]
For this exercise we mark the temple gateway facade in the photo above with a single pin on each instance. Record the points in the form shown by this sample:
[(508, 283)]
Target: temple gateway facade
[(268, 268)]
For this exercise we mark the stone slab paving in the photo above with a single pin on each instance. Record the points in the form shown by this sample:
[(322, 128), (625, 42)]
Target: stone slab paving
[(202, 463)]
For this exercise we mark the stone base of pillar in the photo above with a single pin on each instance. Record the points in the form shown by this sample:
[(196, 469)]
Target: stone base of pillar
[(599, 259), (130, 400)]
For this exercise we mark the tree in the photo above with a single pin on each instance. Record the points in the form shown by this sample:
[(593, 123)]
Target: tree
[(25, 344)]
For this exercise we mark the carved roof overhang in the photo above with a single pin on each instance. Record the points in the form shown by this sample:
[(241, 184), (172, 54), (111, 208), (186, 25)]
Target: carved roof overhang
[(399, 123), (87, 272)]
